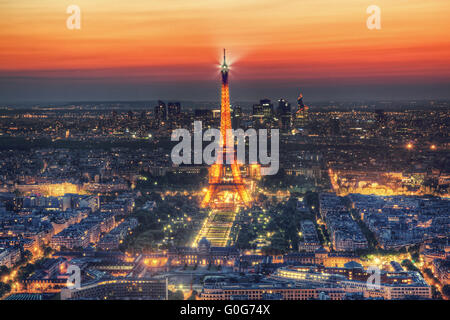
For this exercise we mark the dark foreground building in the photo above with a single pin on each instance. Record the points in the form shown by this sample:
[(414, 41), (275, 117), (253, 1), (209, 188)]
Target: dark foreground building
[(120, 289)]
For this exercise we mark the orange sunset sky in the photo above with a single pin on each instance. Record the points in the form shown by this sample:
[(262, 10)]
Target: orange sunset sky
[(141, 49)]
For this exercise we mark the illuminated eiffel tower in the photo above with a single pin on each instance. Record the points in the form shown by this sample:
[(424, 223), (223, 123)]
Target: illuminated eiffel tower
[(225, 177)]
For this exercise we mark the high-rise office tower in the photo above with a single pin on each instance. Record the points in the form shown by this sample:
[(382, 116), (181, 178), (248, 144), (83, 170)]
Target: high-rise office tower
[(161, 111), (283, 107), (237, 116), (284, 115), (263, 113), (257, 115), (267, 108), (173, 110), (301, 114)]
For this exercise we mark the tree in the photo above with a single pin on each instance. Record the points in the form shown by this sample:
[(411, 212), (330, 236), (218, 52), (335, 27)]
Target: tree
[(17, 193), (436, 295), (177, 295), (193, 295), (3, 271), (4, 289), (28, 269), (312, 199), (409, 265), (446, 290), (48, 251), (245, 236), (26, 255)]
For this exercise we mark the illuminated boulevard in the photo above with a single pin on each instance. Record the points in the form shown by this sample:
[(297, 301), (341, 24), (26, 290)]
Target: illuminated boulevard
[(217, 227)]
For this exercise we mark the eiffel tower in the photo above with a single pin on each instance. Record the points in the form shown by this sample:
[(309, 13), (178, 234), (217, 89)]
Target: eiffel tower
[(225, 177)]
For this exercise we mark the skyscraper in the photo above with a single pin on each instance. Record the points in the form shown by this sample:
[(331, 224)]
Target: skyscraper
[(263, 113), (284, 114), (161, 111), (301, 115), (283, 107), (173, 110), (237, 116), (267, 108)]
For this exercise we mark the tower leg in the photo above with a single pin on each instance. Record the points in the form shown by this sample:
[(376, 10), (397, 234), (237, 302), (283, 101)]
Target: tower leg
[(237, 179), (209, 195)]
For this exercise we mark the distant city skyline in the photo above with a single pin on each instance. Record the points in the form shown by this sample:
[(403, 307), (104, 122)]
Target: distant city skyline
[(241, 92)]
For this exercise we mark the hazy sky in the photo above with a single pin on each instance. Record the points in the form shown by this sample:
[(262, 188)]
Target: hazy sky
[(140, 49)]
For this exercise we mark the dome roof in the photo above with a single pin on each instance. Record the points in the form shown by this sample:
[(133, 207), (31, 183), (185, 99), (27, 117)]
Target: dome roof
[(321, 250), (204, 242)]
